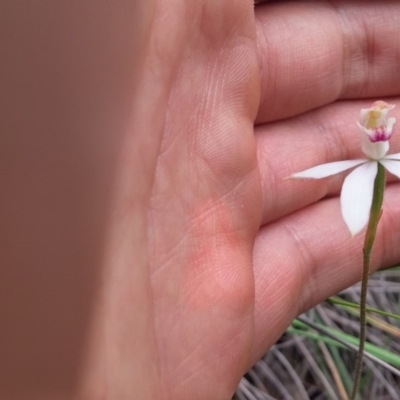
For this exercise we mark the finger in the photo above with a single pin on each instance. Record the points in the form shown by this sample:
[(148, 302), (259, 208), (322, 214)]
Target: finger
[(308, 256), (324, 135), (313, 53)]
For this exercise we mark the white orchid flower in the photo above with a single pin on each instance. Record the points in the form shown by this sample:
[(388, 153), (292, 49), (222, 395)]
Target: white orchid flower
[(357, 190)]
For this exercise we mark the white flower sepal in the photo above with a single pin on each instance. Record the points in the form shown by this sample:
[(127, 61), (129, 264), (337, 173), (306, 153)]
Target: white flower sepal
[(357, 190)]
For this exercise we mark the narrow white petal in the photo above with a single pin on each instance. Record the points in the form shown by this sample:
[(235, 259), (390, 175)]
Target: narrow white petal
[(356, 196), (392, 166), (324, 170), (390, 123), (393, 156), (363, 115)]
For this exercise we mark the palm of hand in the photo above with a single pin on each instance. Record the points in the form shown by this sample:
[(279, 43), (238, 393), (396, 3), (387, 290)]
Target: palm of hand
[(205, 206), (214, 308)]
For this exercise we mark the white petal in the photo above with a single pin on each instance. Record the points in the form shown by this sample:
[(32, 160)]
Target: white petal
[(390, 123), (324, 170), (392, 166), (356, 196), (363, 115), (376, 150), (393, 156)]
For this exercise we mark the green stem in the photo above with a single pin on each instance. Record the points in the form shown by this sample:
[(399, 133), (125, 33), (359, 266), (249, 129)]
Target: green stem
[(376, 207)]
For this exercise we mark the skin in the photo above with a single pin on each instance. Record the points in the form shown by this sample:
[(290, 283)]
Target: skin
[(164, 248)]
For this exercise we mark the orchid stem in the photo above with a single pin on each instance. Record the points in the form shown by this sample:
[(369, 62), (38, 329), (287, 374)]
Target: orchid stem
[(376, 207)]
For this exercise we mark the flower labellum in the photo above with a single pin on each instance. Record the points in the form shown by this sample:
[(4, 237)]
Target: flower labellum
[(357, 190)]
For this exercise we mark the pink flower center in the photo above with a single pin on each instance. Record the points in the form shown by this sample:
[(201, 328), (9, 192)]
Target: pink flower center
[(379, 134)]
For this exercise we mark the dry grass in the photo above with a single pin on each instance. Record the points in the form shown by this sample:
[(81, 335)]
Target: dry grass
[(307, 363)]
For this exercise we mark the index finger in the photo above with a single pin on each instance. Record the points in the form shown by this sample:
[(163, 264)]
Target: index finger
[(313, 53)]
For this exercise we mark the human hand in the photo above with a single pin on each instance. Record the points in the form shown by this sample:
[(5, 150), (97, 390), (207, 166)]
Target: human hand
[(235, 250)]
